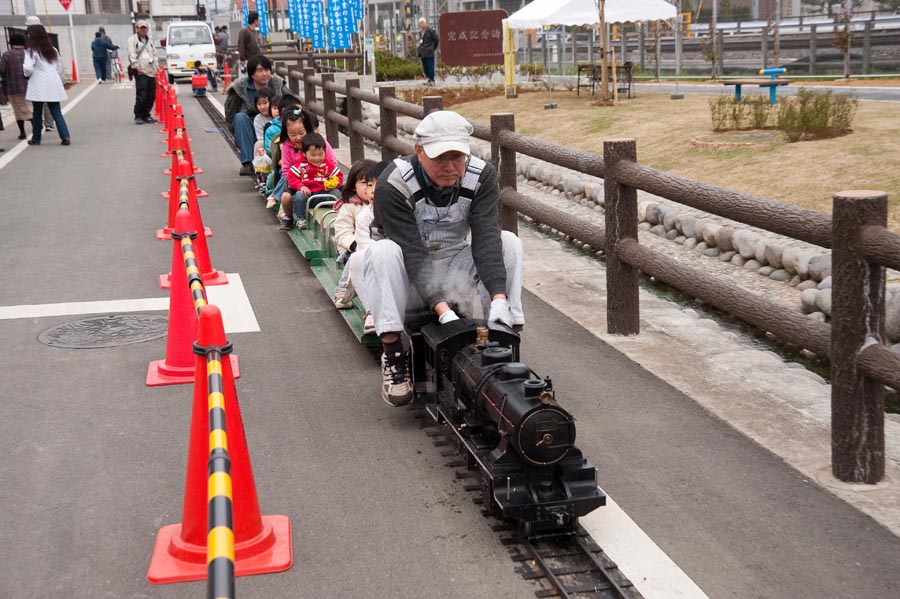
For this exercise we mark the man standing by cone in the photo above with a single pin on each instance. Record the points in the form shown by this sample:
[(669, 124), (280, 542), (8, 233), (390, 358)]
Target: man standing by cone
[(143, 64)]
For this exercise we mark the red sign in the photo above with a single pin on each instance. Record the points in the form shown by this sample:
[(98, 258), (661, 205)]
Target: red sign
[(471, 38), (66, 4)]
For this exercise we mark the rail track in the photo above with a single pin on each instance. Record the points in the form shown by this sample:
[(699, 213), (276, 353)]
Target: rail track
[(219, 122), (565, 565)]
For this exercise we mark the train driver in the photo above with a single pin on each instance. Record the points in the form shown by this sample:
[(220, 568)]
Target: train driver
[(426, 205)]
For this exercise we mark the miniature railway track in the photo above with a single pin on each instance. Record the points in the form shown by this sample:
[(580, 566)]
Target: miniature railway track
[(569, 564), (219, 122)]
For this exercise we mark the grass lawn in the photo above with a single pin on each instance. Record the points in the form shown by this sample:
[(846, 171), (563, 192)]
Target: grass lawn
[(803, 174)]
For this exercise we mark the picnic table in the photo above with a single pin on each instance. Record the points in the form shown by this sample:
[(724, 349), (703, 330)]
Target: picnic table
[(772, 84)]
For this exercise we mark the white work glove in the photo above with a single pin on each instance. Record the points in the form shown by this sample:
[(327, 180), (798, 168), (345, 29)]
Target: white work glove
[(448, 316), (500, 312)]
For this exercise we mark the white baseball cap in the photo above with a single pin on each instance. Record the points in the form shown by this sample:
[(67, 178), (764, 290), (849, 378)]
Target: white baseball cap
[(32, 20), (141, 23), (443, 131)]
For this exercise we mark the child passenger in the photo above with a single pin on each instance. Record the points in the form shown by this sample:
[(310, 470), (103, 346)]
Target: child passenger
[(309, 172), (200, 69), (266, 107), (351, 231), (276, 183)]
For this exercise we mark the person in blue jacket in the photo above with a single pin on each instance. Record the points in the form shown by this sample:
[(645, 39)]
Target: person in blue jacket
[(99, 48)]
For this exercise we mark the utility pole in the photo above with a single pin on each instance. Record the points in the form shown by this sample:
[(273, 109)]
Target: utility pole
[(604, 76), (715, 39)]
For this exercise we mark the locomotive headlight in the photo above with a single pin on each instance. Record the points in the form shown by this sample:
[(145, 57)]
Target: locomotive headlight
[(546, 397)]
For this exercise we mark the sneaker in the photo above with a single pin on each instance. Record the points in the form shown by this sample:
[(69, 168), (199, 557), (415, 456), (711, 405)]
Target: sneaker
[(138, 121), (343, 299), (286, 224), (301, 224), (396, 383), (246, 170), (270, 203), (369, 324), (280, 215), (150, 120)]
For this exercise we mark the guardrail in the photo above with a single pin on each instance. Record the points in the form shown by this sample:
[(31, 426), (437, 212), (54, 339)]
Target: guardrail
[(862, 247)]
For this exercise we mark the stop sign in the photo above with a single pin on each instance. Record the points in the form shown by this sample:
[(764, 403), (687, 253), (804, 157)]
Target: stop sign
[(66, 4)]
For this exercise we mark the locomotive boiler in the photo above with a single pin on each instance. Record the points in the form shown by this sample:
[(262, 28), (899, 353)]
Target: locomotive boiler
[(508, 423)]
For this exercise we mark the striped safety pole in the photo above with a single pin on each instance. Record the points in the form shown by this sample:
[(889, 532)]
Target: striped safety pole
[(190, 266), (220, 533)]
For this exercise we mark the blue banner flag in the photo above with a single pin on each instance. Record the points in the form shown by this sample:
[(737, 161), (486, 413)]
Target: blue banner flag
[(263, 10), (294, 16), (304, 29), (316, 24), (245, 13), (339, 24)]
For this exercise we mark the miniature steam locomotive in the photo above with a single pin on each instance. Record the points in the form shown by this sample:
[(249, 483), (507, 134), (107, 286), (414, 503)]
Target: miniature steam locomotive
[(508, 424)]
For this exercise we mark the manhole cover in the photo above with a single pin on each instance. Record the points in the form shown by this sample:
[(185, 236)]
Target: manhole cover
[(106, 331)]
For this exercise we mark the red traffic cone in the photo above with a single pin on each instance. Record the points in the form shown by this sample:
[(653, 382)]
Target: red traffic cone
[(178, 365), (180, 171), (209, 275), (226, 78), (74, 72), (262, 543), (171, 101), (180, 143)]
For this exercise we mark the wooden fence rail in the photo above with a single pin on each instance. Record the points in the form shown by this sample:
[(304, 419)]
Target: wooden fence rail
[(862, 247)]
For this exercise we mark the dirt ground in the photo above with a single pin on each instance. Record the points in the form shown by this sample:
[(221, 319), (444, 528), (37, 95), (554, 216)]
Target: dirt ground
[(671, 134)]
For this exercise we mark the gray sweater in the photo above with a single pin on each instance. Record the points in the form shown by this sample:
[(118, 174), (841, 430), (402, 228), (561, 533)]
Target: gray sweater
[(395, 216)]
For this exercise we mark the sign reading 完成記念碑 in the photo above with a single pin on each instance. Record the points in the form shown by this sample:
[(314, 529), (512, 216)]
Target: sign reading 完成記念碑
[(472, 38)]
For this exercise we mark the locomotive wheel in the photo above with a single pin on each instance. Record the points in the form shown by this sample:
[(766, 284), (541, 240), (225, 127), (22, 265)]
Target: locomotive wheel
[(487, 498), (524, 529)]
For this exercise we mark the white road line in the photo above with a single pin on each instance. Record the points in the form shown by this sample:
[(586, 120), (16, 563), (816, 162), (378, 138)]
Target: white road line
[(654, 574), (20, 147), (237, 313)]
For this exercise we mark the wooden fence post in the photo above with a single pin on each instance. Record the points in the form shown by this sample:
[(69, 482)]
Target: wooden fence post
[(432, 104), (309, 90), (354, 115), (388, 120), (857, 320), (812, 49), (330, 104), (505, 161), (867, 48), (294, 84), (622, 284)]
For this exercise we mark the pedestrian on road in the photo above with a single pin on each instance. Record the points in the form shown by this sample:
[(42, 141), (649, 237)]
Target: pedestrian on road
[(11, 65), (142, 58), (425, 206), (240, 105), (44, 70), (428, 43), (111, 55), (99, 50), (222, 45), (248, 40)]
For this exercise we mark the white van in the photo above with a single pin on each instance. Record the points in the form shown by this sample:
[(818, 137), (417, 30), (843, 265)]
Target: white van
[(187, 42)]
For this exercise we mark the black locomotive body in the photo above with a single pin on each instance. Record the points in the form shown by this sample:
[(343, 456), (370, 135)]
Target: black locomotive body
[(508, 422)]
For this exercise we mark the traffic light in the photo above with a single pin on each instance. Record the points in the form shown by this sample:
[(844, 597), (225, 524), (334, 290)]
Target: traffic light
[(408, 12)]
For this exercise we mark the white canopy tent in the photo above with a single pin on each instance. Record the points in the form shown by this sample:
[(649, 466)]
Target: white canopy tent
[(590, 12), (587, 12)]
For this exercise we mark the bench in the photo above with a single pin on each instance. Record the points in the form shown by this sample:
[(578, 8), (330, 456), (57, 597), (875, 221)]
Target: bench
[(773, 84)]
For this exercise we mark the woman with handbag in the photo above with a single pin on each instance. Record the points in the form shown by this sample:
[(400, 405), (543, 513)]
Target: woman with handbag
[(11, 64), (44, 70)]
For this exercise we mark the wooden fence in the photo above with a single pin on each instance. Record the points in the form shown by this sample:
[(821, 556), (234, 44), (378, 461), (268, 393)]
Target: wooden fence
[(861, 249)]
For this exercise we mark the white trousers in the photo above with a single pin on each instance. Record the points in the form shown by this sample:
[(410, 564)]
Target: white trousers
[(387, 293)]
